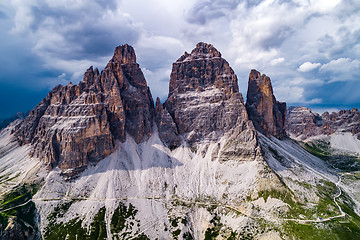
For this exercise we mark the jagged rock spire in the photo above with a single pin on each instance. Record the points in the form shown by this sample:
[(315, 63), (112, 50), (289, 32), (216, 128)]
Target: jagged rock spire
[(267, 114), (79, 124), (203, 68), (124, 54)]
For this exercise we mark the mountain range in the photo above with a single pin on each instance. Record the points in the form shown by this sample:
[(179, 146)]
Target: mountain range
[(101, 160)]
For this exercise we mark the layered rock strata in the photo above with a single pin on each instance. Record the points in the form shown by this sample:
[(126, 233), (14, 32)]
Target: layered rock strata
[(302, 123), (204, 100), (267, 114), (78, 124)]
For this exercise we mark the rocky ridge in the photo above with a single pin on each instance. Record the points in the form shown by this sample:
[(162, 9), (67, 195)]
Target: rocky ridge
[(78, 124), (204, 100), (204, 103), (302, 123), (267, 114)]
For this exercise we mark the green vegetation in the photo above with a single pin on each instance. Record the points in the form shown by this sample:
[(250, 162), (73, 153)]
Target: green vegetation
[(187, 236), (254, 227), (18, 206), (59, 211), (284, 195), (176, 233), (5, 179), (319, 148), (73, 230), (176, 224), (336, 229), (339, 228), (124, 223), (324, 208), (214, 231), (122, 218), (343, 162), (98, 227)]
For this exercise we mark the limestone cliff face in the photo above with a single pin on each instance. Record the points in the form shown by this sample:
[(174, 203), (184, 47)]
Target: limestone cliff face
[(204, 101), (167, 128), (302, 123), (78, 124), (267, 114), (129, 101)]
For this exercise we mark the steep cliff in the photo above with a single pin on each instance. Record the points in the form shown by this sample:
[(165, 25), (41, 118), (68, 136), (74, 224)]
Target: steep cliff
[(204, 100), (78, 124), (267, 114)]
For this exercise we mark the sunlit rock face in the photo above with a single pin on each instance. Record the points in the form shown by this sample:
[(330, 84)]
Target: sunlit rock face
[(204, 100), (267, 114), (78, 124)]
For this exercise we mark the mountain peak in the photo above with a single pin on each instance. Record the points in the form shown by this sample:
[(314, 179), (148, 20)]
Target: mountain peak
[(203, 69), (204, 100), (267, 114), (254, 74), (201, 51), (124, 54), (76, 125)]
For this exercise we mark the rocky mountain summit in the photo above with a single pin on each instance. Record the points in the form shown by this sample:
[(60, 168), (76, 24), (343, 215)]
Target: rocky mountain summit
[(78, 124), (302, 123), (267, 114), (204, 100)]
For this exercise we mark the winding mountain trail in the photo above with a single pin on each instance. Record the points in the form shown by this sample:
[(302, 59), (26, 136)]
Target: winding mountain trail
[(233, 208), (343, 214), (20, 205)]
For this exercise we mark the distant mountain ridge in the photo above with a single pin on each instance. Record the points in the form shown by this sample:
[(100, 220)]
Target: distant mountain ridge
[(5, 122), (302, 123)]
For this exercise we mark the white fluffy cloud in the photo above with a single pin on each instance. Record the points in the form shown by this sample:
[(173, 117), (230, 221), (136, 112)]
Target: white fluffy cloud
[(71, 35), (308, 66), (277, 61)]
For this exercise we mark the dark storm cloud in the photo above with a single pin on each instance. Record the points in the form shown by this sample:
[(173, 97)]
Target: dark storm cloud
[(349, 43), (340, 93), (44, 43), (310, 49), (204, 11), (84, 33), (15, 99), (277, 38)]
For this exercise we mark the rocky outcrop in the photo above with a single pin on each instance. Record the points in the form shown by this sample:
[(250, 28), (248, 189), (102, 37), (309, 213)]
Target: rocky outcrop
[(204, 100), (78, 124), (167, 128), (302, 123), (267, 114)]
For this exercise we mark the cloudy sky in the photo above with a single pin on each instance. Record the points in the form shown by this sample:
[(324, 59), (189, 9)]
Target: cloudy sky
[(309, 48)]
